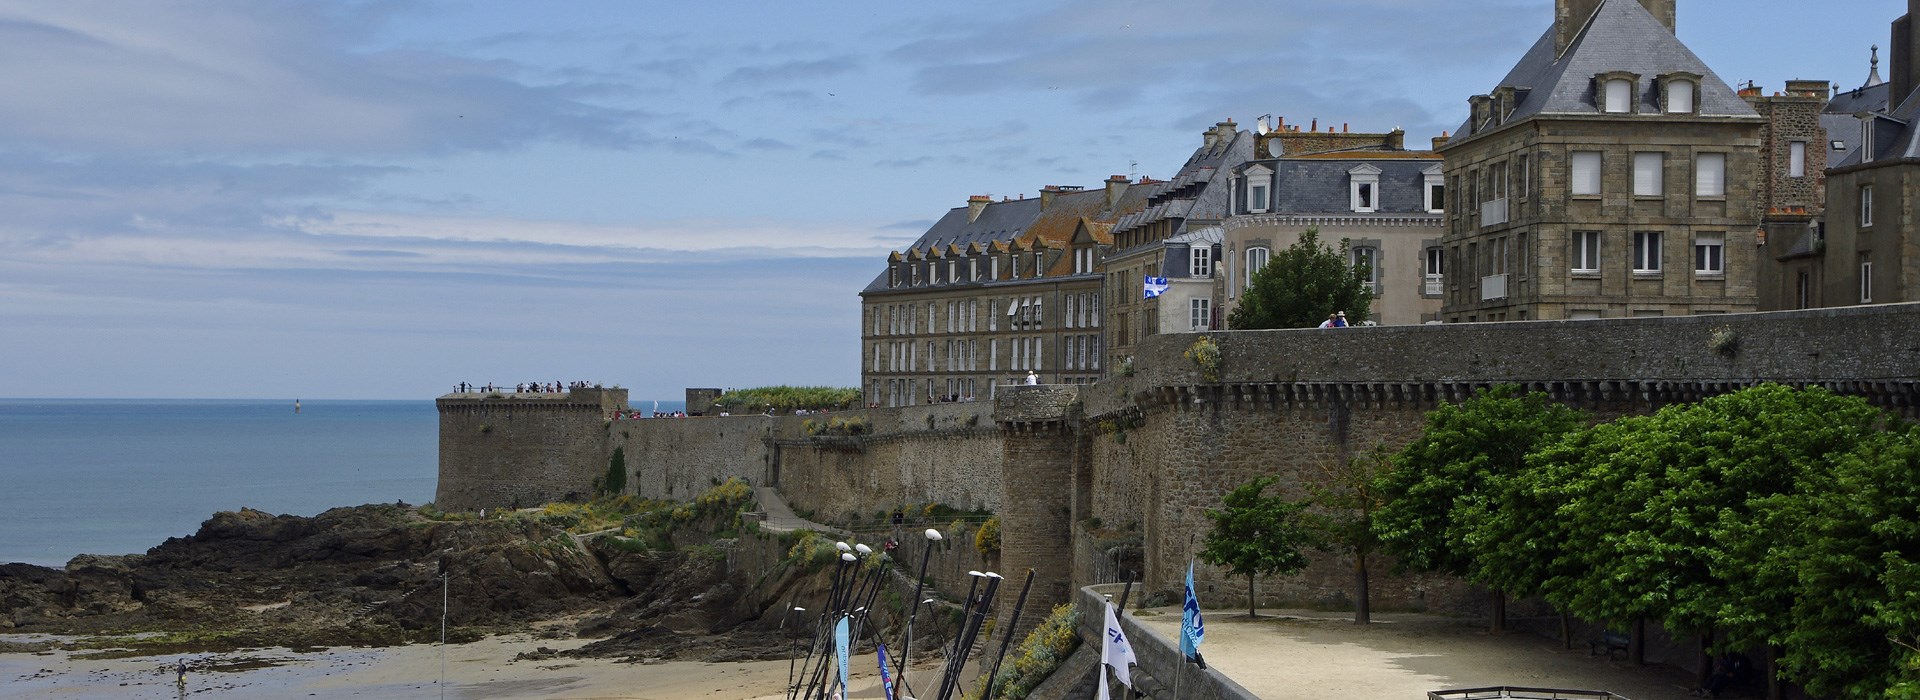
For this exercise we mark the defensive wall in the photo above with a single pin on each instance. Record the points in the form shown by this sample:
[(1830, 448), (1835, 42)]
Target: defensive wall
[(1091, 482)]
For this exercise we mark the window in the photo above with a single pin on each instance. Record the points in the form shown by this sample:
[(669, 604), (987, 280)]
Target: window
[(1367, 258), (1436, 262), (1710, 175), (1797, 159), (953, 271), (1586, 172), (1201, 314), (1646, 251), (1363, 192), (1619, 93), (1256, 261), (1866, 279), (1866, 206), (1523, 181), (1647, 174), (1256, 196), (1071, 319), (1709, 254), (1436, 194), (1679, 97), (1202, 261), (1586, 251)]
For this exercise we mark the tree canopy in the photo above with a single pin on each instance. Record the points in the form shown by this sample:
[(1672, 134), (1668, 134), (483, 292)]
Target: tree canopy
[(1301, 285), (1255, 534)]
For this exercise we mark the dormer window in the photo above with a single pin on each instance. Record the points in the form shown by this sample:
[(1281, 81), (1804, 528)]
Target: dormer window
[(1680, 94), (1436, 189), (1259, 180), (1363, 189), (1615, 95)]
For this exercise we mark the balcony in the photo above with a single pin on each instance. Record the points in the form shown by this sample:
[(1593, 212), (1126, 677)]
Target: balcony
[(1493, 287), (1436, 285), (1493, 213)]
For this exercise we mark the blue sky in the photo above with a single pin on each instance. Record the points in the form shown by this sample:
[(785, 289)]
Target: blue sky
[(265, 198)]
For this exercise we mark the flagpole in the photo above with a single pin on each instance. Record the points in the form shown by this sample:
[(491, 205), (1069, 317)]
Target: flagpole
[(1007, 640), (919, 583)]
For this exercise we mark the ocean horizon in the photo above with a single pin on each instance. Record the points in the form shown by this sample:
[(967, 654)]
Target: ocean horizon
[(120, 476)]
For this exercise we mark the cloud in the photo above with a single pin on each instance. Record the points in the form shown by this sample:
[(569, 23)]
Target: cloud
[(789, 72), (268, 77)]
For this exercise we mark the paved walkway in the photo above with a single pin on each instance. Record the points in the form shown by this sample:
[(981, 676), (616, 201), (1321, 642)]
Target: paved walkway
[(1308, 656), (779, 519)]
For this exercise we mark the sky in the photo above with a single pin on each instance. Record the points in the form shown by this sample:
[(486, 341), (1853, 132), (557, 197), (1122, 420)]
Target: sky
[(380, 199)]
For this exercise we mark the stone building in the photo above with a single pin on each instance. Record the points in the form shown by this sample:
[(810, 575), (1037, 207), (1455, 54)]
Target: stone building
[(1593, 181), (1794, 153), (1384, 201), (1174, 238), (1871, 250), (992, 291)]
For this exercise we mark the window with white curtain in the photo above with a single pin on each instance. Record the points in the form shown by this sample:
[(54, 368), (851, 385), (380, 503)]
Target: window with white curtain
[(1710, 175), (1648, 175), (1586, 172)]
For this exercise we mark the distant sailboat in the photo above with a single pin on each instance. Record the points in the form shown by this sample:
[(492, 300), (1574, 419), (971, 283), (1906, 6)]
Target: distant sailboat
[(296, 406)]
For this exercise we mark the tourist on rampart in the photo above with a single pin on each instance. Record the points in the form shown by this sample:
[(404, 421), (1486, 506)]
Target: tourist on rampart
[(1329, 322), (1032, 379)]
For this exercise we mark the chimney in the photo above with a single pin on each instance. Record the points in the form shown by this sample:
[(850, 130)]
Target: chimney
[(1116, 188), (1906, 48), (1441, 140), (1808, 88), (1046, 196), (976, 204), (1397, 139), (1570, 16)]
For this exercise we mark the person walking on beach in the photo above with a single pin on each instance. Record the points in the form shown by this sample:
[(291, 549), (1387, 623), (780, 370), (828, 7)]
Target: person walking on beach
[(180, 672)]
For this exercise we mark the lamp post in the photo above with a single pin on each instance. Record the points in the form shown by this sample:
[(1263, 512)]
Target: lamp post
[(919, 583), (795, 656)]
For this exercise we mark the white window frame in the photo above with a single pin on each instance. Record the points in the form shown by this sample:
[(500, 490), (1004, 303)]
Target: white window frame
[(1710, 254), (1866, 206), (1710, 175), (1363, 178), (1257, 258), (1583, 173), (1586, 252), (1200, 314), (1201, 259), (1371, 256), (1436, 201), (1649, 174), (1866, 279), (1797, 159), (1647, 252)]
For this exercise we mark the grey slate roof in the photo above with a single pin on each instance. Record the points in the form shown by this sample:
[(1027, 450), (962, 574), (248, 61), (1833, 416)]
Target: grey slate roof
[(1621, 36), (1000, 221), (1894, 138), (1320, 186), (1199, 190)]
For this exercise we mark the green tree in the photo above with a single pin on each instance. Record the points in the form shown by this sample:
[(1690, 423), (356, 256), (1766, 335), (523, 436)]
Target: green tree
[(1449, 480), (1346, 498), (1301, 285), (1257, 535)]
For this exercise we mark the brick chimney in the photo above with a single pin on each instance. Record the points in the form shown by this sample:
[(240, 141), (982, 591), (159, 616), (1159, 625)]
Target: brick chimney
[(976, 204), (1905, 49), (1570, 16), (1116, 188), (1047, 194), (1441, 140)]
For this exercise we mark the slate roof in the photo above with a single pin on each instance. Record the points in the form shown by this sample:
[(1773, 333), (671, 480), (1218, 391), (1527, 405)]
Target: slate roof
[(1022, 222), (1199, 190), (1316, 185), (1894, 138), (1621, 36)]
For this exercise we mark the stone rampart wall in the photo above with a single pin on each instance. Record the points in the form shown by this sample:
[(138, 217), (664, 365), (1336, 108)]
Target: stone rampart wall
[(946, 453), (500, 451)]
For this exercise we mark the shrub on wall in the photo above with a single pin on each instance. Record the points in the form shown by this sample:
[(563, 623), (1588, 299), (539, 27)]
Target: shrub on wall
[(615, 481), (987, 540), (1039, 655), (1205, 355)]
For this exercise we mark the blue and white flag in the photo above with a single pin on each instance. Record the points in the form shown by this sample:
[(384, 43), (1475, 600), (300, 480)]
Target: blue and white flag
[(840, 649), (1192, 630), (1155, 286), (886, 676)]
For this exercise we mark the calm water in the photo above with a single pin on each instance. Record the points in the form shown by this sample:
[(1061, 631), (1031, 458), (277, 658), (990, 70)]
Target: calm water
[(116, 477)]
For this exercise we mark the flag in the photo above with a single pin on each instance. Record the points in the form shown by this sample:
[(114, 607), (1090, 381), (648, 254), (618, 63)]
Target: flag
[(1192, 630), (1155, 286), (886, 677), (840, 649), (1115, 652)]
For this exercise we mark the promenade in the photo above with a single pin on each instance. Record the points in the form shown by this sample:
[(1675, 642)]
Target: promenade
[(1303, 655)]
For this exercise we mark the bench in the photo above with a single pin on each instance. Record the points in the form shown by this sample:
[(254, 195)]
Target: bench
[(1609, 642)]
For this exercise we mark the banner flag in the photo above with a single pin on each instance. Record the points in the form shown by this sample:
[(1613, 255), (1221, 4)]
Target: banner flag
[(840, 644), (1155, 286), (1192, 630), (886, 676)]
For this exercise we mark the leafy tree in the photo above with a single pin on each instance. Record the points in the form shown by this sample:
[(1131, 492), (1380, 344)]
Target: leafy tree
[(1301, 285), (1257, 535), (1347, 497), (1448, 481)]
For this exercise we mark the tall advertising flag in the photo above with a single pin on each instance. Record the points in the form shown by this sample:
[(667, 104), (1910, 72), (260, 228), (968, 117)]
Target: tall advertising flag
[(1192, 630), (1116, 653), (886, 676), (840, 648)]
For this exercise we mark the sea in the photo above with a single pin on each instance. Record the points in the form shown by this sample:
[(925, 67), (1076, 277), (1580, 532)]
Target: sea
[(104, 476)]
